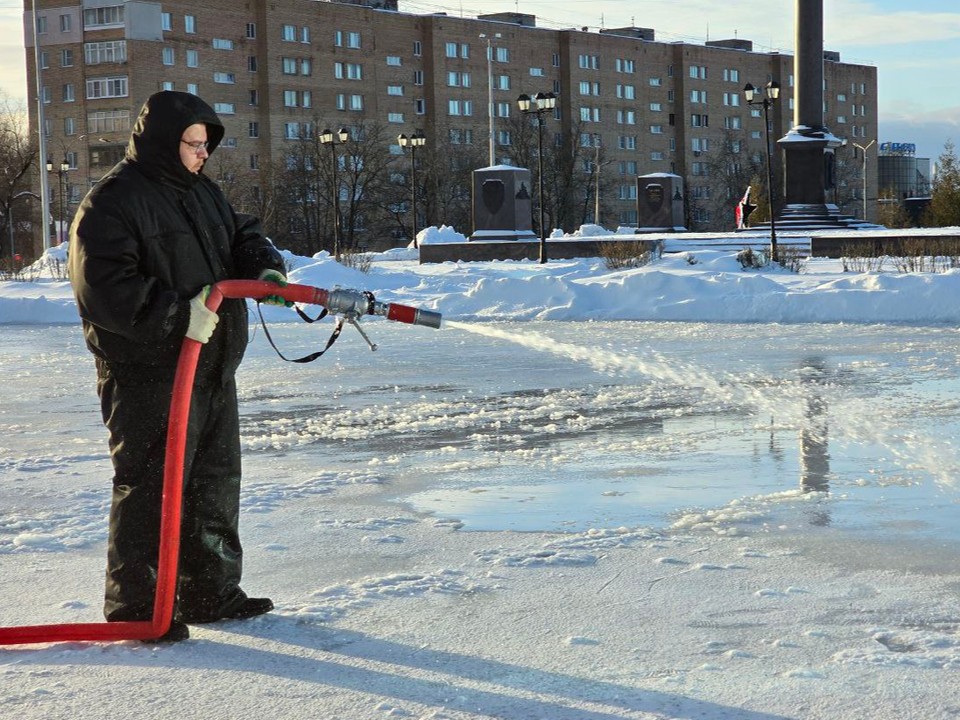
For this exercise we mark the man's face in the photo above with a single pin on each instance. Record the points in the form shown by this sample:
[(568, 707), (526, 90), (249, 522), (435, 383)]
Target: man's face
[(193, 147)]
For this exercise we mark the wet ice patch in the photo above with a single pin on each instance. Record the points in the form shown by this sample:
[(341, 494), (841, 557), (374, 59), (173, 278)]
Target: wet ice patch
[(924, 649), (335, 601), (263, 497)]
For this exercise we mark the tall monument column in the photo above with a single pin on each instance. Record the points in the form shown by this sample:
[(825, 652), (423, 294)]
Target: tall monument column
[(809, 146)]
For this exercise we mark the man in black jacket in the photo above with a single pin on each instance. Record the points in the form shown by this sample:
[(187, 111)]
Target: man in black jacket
[(147, 242)]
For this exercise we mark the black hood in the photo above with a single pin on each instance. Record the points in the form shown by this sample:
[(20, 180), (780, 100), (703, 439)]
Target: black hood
[(154, 145)]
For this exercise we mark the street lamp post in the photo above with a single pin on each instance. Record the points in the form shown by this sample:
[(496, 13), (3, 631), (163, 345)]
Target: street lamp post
[(863, 149), (538, 105), (596, 169), (413, 142), (327, 137), (756, 96), (61, 174)]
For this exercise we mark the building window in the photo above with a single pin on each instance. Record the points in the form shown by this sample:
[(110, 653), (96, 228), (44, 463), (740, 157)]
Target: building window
[(108, 121), (590, 114), (168, 56), (589, 62), (731, 99), (698, 96), (166, 85), (289, 33), (224, 78), (254, 97), (109, 51), (66, 58), (458, 79), (65, 23), (503, 55), (656, 107), (395, 117), (460, 107), (626, 92), (625, 65), (698, 72), (254, 162), (289, 65), (626, 117), (190, 24), (503, 138), (656, 155), (656, 129), (251, 31), (101, 17), (193, 88), (536, 72), (106, 87), (166, 21), (697, 120), (395, 90), (503, 109), (222, 44), (417, 48), (252, 64), (418, 77), (68, 93), (394, 61), (305, 35), (253, 129), (349, 71), (732, 122), (225, 108), (44, 60), (193, 58), (420, 106), (655, 82)]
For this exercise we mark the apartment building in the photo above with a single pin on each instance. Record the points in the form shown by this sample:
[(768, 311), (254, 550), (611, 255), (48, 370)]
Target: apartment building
[(280, 72)]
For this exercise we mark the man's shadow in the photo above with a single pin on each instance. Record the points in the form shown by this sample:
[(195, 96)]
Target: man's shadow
[(313, 658)]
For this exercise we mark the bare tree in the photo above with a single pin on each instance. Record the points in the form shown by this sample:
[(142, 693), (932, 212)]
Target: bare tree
[(18, 157)]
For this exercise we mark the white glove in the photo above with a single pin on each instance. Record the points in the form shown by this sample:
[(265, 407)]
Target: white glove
[(278, 278), (202, 319)]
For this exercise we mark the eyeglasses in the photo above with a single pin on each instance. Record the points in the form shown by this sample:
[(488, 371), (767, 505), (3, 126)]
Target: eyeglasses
[(196, 145)]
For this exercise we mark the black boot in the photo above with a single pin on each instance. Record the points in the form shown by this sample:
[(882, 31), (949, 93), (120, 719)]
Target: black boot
[(249, 608), (178, 631)]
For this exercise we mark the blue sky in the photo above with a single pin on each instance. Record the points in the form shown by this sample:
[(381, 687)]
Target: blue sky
[(915, 46)]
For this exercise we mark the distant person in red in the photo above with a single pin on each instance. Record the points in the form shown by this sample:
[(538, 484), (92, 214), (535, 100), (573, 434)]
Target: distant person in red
[(147, 243), (743, 210)]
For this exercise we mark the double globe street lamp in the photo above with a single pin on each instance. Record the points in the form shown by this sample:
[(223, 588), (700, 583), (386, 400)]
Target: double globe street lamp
[(328, 137), (416, 140), (538, 105), (757, 96)]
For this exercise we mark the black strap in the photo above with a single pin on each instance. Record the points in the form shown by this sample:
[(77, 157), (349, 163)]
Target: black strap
[(306, 318)]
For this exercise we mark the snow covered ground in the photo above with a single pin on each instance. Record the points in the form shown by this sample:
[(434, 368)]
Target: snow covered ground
[(555, 507)]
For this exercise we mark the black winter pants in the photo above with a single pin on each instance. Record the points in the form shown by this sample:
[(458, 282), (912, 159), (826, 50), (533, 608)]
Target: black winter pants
[(210, 554)]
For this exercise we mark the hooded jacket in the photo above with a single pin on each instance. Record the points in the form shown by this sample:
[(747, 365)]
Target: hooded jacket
[(148, 237)]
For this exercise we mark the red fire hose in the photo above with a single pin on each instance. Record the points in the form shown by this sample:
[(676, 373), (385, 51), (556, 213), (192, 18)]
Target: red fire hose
[(348, 302)]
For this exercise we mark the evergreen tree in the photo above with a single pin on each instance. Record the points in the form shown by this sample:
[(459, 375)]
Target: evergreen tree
[(944, 208)]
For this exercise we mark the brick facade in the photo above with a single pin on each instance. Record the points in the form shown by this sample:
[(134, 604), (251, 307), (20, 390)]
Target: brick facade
[(272, 68)]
